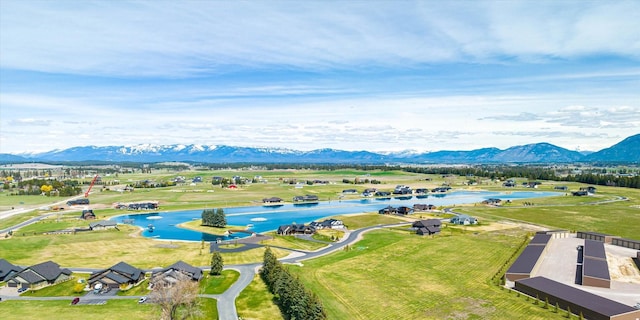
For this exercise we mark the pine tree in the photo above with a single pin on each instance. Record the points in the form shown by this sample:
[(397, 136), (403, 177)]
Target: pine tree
[(217, 264)]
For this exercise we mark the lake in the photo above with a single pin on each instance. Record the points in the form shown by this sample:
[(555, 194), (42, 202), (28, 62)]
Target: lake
[(269, 218)]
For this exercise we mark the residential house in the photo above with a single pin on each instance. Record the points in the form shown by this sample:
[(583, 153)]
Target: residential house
[(7, 270), (39, 275), (196, 179), (509, 183), (87, 215), (427, 227), (306, 198), (492, 202), (440, 189), (103, 225), (422, 190), (424, 207), (290, 229), (580, 193), (404, 210), (463, 219), (173, 273), (563, 188), (589, 189), (402, 189), (272, 200), (121, 275), (382, 193), (388, 210), (349, 191), (328, 224)]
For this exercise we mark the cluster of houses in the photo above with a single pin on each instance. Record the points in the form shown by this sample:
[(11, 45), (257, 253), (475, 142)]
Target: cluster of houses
[(290, 229), (309, 198), (404, 210), (147, 205), (121, 276)]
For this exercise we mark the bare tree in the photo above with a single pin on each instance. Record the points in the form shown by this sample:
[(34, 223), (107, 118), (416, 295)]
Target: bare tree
[(176, 296)]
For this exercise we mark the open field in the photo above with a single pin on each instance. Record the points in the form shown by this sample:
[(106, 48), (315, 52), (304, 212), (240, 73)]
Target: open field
[(112, 310), (394, 275), (257, 303)]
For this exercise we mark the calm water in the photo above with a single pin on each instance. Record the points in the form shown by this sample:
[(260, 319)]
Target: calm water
[(268, 218)]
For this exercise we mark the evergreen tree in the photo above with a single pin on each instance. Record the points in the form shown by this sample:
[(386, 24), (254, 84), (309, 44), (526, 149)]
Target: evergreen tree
[(217, 263), (219, 219), (207, 217)]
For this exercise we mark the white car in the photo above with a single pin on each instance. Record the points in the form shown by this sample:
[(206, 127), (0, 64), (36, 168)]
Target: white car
[(142, 300)]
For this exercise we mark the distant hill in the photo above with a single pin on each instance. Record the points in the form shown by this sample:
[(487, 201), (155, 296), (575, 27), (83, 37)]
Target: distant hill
[(626, 151)]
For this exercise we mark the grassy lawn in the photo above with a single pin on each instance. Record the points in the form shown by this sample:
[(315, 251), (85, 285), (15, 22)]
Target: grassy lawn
[(139, 290), (292, 242), (394, 275), (112, 310), (209, 309), (357, 221), (621, 218), (328, 235), (218, 284), (256, 303), (64, 289)]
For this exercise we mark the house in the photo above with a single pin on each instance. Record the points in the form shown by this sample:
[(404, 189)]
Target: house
[(463, 219), (349, 191), (7, 270), (370, 190), (580, 193), (39, 275), (272, 200), (404, 210), (563, 188), (589, 189), (402, 189), (87, 215), (382, 193), (509, 183), (121, 275), (424, 207), (422, 190), (306, 198), (103, 225), (196, 179), (81, 201), (440, 189), (427, 227), (328, 224), (152, 205), (289, 229), (531, 184), (388, 210), (173, 273), (492, 202)]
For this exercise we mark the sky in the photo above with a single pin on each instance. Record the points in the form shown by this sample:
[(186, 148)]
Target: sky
[(304, 75)]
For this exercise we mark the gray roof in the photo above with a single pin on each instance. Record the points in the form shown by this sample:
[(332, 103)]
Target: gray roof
[(595, 268), (576, 296), (527, 260), (540, 239), (49, 270), (6, 268), (594, 249), (105, 223), (127, 269), (196, 273)]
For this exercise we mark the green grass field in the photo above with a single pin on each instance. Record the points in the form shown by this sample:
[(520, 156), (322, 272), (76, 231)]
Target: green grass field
[(112, 310), (394, 275), (257, 303)]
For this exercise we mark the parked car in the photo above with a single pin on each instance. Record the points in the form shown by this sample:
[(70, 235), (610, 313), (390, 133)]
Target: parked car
[(21, 290), (75, 301), (142, 300)]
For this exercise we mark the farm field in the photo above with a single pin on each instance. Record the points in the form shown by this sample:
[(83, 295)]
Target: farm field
[(395, 275)]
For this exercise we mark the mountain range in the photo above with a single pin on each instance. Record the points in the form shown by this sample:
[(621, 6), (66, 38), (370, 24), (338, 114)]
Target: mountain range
[(627, 150)]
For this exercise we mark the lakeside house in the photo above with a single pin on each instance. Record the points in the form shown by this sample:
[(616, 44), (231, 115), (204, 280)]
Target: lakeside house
[(427, 227), (463, 219), (173, 273), (8, 270), (328, 224), (289, 229)]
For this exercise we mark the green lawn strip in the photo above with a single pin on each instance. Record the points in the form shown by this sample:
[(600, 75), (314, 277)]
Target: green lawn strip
[(255, 302), (112, 310), (357, 221), (139, 290), (616, 218), (218, 284), (63, 289), (208, 308), (394, 275), (292, 242)]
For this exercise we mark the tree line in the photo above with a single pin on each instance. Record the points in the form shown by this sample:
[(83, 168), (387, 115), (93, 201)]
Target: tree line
[(296, 302)]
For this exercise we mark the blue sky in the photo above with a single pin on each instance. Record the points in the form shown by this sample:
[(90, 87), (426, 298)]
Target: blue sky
[(352, 75)]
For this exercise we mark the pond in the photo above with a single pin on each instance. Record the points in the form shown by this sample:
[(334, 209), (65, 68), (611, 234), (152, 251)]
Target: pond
[(163, 225)]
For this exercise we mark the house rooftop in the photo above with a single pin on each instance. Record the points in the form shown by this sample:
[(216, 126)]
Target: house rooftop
[(596, 268), (594, 249), (527, 260)]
